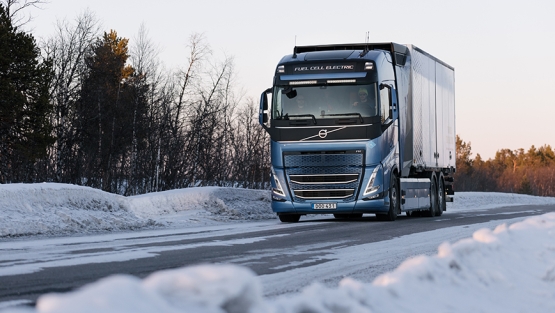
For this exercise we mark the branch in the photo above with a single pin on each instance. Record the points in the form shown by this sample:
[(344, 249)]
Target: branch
[(14, 7)]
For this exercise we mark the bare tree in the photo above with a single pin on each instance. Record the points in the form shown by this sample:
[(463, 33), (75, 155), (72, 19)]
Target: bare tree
[(14, 10), (188, 77), (231, 100), (67, 50), (251, 150), (207, 122), (186, 84), (150, 84)]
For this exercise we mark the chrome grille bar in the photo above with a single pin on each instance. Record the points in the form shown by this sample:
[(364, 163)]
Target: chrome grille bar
[(323, 179), (324, 194)]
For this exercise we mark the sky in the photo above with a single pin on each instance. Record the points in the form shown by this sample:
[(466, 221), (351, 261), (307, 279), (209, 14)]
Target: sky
[(499, 266), (501, 50)]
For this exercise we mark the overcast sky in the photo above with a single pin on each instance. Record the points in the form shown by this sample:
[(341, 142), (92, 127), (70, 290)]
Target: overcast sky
[(502, 51)]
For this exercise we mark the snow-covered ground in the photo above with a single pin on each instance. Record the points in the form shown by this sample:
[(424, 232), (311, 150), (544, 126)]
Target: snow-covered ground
[(60, 209), (508, 269)]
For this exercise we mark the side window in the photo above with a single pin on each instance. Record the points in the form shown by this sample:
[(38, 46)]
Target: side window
[(384, 101)]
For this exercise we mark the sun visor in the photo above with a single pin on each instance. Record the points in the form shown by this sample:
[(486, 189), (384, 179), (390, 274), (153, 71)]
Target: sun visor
[(323, 76)]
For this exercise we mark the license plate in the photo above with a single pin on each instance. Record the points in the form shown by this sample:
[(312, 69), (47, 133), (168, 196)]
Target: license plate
[(324, 206)]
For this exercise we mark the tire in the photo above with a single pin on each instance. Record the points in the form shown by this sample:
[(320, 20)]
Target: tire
[(393, 202), (432, 211), (441, 203), (289, 218)]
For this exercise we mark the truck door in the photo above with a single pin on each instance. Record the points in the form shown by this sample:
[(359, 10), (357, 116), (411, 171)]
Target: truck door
[(388, 113)]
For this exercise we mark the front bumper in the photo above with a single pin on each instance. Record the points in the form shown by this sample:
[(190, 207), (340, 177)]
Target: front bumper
[(359, 206)]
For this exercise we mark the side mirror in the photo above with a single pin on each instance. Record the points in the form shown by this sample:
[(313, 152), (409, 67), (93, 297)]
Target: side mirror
[(264, 99), (263, 113)]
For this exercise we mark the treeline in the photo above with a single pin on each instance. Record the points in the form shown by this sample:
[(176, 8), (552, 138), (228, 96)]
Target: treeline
[(528, 172), (94, 109)]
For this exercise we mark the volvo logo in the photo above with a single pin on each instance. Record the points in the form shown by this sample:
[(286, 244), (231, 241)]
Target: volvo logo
[(323, 133)]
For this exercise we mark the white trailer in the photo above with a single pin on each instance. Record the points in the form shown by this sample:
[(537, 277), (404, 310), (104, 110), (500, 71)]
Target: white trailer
[(430, 110)]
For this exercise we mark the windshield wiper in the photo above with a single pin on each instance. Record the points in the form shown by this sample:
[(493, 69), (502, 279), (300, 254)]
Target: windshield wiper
[(348, 114), (287, 116)]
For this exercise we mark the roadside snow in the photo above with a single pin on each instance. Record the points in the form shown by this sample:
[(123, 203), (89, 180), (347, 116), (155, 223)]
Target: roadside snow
[(196, 204), (480, 201), (508, 269), (59, 209)]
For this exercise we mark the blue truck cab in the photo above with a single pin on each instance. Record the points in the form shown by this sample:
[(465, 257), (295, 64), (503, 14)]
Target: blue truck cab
[(342, 126)]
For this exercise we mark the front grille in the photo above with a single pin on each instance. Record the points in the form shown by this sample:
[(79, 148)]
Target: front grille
[(325, 175), (324, 194)]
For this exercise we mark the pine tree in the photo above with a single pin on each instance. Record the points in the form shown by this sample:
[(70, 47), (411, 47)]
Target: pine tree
[(106, 111), (25, 131), (464, 164)]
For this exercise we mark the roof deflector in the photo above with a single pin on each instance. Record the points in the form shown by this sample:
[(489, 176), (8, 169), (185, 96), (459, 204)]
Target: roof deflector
[(398, 52)]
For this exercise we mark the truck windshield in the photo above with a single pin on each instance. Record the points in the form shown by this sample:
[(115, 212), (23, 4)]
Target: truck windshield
[(324, 101)]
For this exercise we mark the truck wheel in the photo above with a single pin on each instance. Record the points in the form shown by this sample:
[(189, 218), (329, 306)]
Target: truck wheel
[(441, 204), (289, 218), (432, 211), (393, 202)]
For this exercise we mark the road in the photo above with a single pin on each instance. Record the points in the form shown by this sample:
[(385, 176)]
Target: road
[(286, 257)]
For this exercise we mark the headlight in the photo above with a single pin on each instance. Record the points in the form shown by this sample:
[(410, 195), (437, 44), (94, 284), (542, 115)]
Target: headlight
[(370, 188), (278, 190)]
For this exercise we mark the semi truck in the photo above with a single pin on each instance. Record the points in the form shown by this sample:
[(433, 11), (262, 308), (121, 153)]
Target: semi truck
[(365, 128)]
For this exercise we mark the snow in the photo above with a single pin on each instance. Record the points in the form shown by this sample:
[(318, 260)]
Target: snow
[(60, 209), (510, 268)]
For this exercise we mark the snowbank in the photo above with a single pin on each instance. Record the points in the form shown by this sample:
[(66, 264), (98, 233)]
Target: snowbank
[(59, 209), (222, 204), (33, 209), (477, 201), (509, 269), (204, 288)]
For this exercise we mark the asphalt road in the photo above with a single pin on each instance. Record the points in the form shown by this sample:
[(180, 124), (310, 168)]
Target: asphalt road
[(259, 248)]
